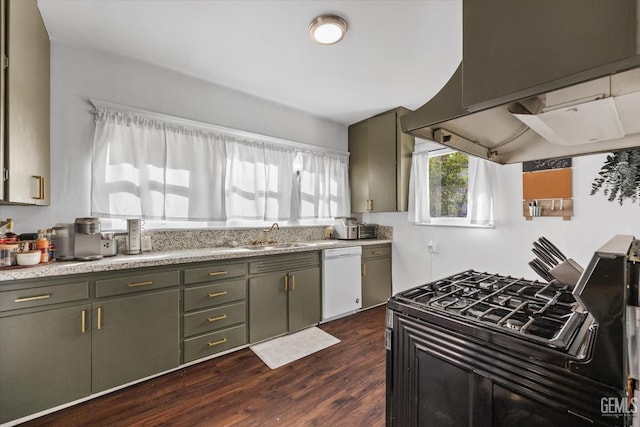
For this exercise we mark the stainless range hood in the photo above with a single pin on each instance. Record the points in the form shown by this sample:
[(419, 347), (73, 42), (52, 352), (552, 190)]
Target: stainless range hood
[(540, 79)]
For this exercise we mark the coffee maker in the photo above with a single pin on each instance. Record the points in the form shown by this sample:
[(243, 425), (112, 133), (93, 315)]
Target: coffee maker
[(87, 240)]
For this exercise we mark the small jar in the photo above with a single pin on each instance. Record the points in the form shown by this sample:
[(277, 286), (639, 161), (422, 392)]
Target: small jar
[(42, 244), (8, 254)]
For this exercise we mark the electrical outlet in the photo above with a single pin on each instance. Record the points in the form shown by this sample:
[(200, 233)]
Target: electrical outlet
[(432, 246), (146, 243)]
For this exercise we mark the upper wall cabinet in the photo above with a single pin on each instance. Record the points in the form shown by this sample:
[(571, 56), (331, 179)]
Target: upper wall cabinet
[(512, 50), (379, 163), (24, 105)]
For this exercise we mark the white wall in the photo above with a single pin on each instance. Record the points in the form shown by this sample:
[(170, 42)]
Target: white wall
[(78, 74), (506, 249)]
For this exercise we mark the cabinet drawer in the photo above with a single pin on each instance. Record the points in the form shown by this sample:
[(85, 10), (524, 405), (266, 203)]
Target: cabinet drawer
[(376, 251), (36, 297), (214, 294), (270, 264), (214, 318), (214, 272), (215, 342), (142, 282)]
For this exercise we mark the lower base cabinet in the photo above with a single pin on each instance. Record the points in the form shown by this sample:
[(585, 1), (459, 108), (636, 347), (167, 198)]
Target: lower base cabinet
[(282, 301), (376, 275), (45, 360), (137, 336)]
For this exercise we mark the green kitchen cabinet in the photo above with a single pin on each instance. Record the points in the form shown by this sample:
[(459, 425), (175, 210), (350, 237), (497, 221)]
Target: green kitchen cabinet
[(215, 309), (376, 275), (379, 163), (284, 294), (24, 104), (135, 337), (45, 360), (305, 291), (268, 304), (45, 346)]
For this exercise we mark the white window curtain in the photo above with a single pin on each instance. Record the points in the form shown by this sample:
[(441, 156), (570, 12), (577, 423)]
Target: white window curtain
[(480, 192), (195, 175), (323, 186), (128, 178), (259, 181), (480, 200), (155, 168)]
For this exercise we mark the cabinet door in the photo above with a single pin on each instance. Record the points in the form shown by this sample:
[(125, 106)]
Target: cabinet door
[(359, 166), (134, 337), (27, 108), (376, 281), (45, 360), (267, 306), (304, 298), (382, 162)]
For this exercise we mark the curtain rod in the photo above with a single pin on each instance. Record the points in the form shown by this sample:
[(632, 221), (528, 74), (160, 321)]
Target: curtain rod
[(100, 104)]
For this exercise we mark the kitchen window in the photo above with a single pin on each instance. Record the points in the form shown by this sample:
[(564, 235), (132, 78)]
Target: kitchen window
[(451, 188), (176, 173)]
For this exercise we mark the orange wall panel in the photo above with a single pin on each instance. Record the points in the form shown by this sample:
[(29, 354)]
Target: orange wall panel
[(549, 184)]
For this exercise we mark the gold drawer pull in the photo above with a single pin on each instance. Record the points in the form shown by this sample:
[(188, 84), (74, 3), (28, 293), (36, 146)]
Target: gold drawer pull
[(218, 294), (293, 282), (286, 283), (215, 343), (84, 321), (213, 319), (134, 285), (217, 273), (377, 252), (34, 298)]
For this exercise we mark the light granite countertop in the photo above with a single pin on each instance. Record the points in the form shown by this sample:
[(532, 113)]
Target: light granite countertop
[(172, 257)]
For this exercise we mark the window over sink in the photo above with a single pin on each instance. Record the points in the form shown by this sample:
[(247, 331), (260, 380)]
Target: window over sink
[(176, 173)]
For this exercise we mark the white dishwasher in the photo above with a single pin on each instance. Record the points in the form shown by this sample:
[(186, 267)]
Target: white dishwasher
[(341, 282)]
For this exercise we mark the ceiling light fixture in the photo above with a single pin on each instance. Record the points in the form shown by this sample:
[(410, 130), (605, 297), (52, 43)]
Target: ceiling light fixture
[(328, 29)]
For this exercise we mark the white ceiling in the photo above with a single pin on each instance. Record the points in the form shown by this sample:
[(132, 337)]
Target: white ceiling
[(396, 53)]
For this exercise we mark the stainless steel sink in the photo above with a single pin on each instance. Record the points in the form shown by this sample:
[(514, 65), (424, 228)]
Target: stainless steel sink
[(271, 246)]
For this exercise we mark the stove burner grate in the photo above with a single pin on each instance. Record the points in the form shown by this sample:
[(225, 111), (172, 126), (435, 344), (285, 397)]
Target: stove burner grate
[(539, 311)]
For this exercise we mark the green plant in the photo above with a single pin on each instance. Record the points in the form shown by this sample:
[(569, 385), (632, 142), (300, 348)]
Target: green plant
[(619, 177), (448, 185)]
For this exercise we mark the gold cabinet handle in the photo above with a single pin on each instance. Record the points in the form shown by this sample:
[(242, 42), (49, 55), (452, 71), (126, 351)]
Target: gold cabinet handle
[(218, 294), (40, 187), (377, 252), (215, 343), (286, 282), (217, 273), (364, 270), (34, 298), (135, 285), (99, 318), (84, 321), (293, 282), (214, 319)]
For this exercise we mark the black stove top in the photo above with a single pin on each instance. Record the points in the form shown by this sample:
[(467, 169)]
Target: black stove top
[(541, 312)]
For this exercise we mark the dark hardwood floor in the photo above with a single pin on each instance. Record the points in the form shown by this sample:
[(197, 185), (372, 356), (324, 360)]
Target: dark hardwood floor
[(343, 385)]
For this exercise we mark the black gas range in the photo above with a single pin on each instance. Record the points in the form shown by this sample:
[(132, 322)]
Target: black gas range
[(483, 349)]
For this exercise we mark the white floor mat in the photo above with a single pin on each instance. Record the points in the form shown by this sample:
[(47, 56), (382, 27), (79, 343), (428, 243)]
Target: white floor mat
[(280, 351)]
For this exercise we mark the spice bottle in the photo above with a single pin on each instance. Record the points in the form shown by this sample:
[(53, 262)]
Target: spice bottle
[(42, 244)]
